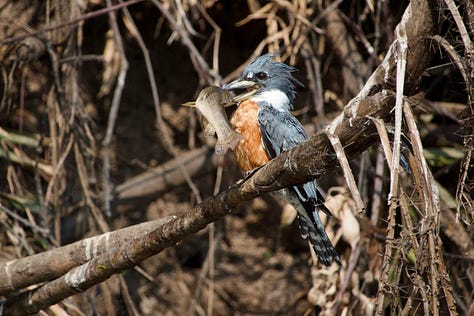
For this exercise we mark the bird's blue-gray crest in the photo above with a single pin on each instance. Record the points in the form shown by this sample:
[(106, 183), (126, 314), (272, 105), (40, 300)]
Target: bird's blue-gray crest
[(268, 75)]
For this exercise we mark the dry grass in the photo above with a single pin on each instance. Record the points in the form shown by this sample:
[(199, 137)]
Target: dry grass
[(93, 138)]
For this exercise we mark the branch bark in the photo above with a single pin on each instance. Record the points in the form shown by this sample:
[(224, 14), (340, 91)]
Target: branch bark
[(45, 266)]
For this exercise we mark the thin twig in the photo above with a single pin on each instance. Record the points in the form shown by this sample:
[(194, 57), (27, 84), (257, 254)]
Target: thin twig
[(84, 17), (83, 179), (114, 107), (401, 66), (346, 169), (42, 230), (384, 280), (461, 27), (168, 142), (432, 218), (59, 164), (203, 69), (217, 40), (378, 185), (213, 244), (313, 72), (468, 138)]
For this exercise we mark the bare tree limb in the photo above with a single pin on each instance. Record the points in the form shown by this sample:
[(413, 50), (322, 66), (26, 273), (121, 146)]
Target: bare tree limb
[(166, 176), (114, 107), (45, 266)]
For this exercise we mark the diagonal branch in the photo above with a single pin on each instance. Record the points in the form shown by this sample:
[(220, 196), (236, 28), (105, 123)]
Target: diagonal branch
[(295, 166), (48, 265)]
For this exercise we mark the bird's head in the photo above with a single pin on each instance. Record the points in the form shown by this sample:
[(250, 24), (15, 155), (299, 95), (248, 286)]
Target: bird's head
[(264, 78)]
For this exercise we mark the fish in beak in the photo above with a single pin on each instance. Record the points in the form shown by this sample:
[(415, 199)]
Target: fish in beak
[(211, 102), (244, 88)]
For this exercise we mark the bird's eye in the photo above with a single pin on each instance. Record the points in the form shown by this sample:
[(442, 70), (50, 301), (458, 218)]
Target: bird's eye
[(261, 75)]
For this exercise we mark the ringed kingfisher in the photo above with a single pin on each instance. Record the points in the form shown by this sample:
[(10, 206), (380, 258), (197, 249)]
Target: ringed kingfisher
[(268, 128)]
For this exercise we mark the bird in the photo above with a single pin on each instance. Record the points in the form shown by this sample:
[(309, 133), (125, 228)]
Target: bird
[(268, 129)]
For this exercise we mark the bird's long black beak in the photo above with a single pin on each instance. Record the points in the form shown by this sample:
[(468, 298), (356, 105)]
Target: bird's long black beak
[(240, 83), (243, 87)]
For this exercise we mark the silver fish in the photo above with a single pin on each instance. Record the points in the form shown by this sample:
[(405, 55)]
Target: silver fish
[(211, 102)]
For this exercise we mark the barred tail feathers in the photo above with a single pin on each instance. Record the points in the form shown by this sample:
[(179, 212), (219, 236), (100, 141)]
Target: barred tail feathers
[(322, 246), (304, 199)]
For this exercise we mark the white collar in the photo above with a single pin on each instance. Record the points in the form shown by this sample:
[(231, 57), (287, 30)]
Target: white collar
[(277, 98)]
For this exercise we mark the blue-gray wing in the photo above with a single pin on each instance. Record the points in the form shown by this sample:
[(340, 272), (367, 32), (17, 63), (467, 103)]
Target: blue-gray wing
[(281, 131)]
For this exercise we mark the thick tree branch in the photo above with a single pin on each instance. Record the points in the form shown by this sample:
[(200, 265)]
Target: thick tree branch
[(297, 165), (294, 166), (48, 265)]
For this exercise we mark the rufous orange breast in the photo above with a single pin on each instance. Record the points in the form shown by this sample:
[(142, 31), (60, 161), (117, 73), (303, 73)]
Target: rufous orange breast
[(249, 152)]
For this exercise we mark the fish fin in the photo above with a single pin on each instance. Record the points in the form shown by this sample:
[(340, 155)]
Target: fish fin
[(191, 104), (223, 146), (236, 138)]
